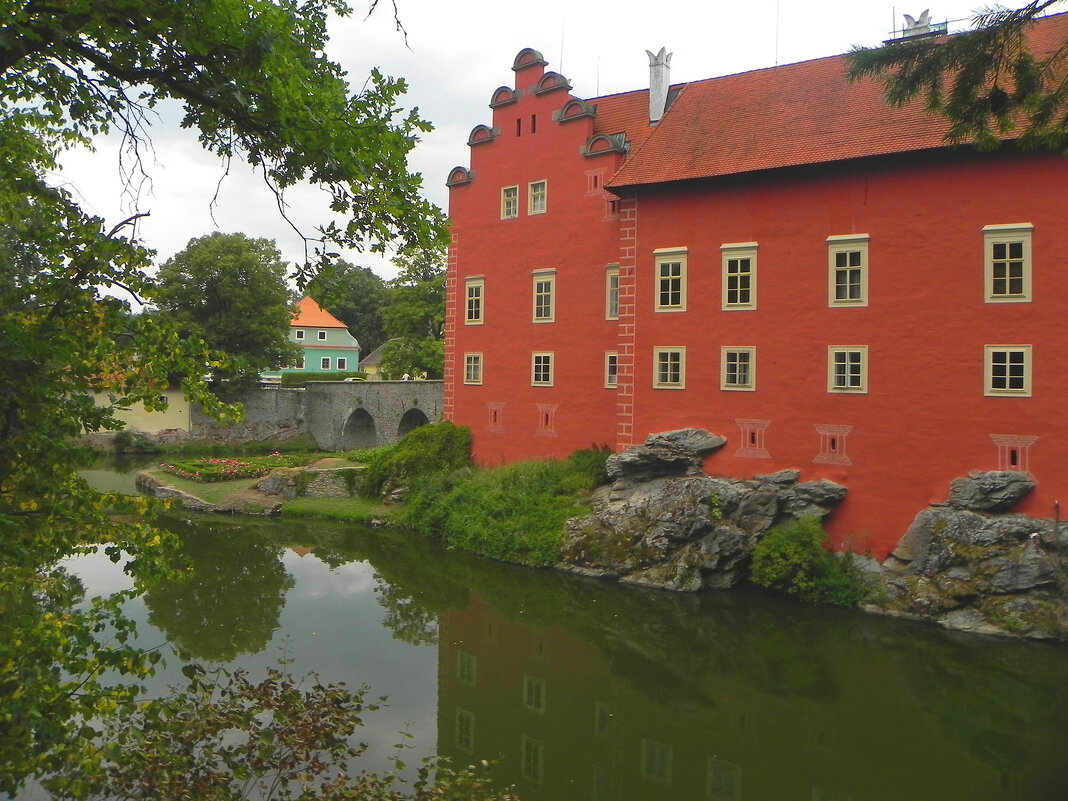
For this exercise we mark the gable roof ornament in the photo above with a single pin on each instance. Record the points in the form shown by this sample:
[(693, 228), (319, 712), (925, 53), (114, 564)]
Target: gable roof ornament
[(601, 143), (503, 96), (551, 82), (528, 57), (458, 176), (481, 134), (575, 109)]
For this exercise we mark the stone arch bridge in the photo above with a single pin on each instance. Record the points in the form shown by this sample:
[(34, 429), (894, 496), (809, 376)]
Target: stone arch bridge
[(339, 415)]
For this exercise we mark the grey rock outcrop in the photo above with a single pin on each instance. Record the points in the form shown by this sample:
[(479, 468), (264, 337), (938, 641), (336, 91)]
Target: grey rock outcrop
[(973, 564), (663, 523)]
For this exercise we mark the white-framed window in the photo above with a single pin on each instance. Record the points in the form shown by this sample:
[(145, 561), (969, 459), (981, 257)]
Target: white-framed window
[(509, 202), (466, 668), (847, 270), (847, 369), (299, 334), (321, 335), (1007, 262), (670, 279), (472, 368), (537, 197), (737, 368), (342, 363), (1008, 370), (739, 275), (656, 762), (611, 369), (534, 694), (544, 296), (541, 369), (611, 292), (669, 368), (474, 293), (531, 759), (723, 780), (324, 363), (465, 730)]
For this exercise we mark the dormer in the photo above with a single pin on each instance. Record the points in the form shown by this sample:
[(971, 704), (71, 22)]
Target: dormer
[(551, 82), (503, 96), (575, 109)]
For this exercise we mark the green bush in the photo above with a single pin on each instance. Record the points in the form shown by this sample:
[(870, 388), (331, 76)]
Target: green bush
[(514, 513), (791, 558), (298, 378), (424, 451)]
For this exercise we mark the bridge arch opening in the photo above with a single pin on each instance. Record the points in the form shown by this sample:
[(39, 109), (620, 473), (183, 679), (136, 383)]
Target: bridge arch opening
[(413, 418), (359, 431)]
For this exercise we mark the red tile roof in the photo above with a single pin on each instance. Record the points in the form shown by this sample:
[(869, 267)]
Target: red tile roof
[(310, 314), (796, 114)]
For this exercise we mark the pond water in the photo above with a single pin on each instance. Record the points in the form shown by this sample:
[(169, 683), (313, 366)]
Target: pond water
[(585, 690)]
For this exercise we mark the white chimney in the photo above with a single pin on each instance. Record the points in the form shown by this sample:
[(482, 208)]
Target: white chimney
[(659, 82)]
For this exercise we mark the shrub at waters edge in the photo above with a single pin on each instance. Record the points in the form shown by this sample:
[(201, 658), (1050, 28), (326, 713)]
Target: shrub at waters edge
[(514, 513), (441, 447), (792, 558)]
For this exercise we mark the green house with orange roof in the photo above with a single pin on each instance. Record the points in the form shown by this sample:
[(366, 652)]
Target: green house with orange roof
[(328, 345)]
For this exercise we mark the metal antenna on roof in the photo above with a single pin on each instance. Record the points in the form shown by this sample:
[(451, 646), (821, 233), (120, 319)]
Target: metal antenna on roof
[(776, 33), (563, 23)]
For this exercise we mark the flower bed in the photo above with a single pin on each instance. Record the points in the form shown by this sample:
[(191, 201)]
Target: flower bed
[(212, 469)]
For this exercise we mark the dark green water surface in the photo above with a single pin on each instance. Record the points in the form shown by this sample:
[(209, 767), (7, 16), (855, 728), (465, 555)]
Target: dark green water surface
[(585, 690)]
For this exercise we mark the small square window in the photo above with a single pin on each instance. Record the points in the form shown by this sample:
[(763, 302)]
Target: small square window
[(544, 296), (611, 369), (541, 369), (847, 369), (342, 363), (474, 289), (324, 363), (472, 368), (1008, 370), (847, 264), (739, 275), (669, 368), (738, 368), (299, 334), (671, 280), (1007, 263), (322, 336), (509, 202), (537, 197)]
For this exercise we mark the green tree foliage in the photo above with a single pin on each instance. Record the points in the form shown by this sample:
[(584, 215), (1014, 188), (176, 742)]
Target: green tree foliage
[(355, 295), (415, 315), (988, 82), (230, 291), (791, 558), (255, 85)]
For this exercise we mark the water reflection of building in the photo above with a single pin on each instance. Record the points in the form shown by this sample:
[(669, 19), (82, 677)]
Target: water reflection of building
[(568, 720)]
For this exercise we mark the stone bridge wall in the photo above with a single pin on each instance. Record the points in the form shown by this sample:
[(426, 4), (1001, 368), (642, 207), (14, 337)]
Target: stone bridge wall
[(337, 415)]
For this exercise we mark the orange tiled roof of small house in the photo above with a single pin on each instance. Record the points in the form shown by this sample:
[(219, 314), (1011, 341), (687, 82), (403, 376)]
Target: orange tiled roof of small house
[(310, 314)]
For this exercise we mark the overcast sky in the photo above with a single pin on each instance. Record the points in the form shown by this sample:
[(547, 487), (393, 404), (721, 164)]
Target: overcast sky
[(457, 53)]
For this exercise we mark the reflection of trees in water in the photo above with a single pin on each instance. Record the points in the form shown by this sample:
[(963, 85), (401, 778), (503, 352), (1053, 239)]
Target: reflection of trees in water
[(406, 617), (230, 599)]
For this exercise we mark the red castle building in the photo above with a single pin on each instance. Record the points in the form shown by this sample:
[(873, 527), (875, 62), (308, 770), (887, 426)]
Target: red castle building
[(776, 256)]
